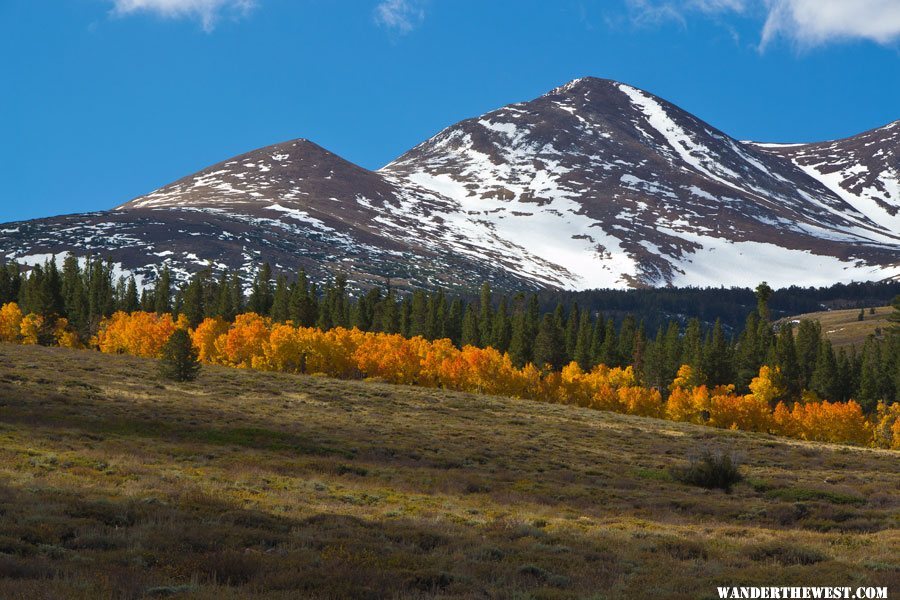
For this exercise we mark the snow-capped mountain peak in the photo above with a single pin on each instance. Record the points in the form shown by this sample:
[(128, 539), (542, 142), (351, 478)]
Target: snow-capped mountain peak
[(593, 184)]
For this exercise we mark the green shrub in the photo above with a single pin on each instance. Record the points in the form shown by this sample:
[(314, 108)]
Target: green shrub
[(711, 469)]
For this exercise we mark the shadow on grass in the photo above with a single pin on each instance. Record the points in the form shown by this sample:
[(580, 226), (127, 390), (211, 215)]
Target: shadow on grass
[(56, 543)]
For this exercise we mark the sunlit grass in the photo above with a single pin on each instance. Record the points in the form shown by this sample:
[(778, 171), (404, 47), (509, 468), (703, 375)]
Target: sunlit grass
[(246, 484)]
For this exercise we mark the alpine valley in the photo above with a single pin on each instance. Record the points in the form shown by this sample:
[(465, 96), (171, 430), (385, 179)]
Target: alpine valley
[(595, 184)]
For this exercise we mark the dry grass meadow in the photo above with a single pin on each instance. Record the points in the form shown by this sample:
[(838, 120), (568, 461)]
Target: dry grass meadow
[(843, 327), (114, 484)]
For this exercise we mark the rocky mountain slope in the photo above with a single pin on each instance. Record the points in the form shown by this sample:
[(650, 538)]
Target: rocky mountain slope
[(594, 184)]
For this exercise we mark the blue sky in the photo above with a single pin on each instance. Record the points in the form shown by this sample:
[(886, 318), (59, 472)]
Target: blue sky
[(105, 100)]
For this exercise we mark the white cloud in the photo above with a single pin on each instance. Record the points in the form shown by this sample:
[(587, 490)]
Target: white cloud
[(206, 11), (815, 22), (400, 15), (806, 22)]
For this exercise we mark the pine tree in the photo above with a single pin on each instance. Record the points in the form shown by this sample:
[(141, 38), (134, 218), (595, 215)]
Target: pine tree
[(437, 316), (655, 373), (281, 300), (672, 351), (845, 378), (192, 300), (405, 315), (178, 301), (748, 359), (178, 361), (627, 333), (639, 355), (501, 331), (454, 326), (549, 345), (27, 298), (609, 350), (471, 332), (717, 358), (303, 309), (824, 380), (871, 379), (582, 352), (340, 306), (785, 358), (559, 316), (808, 343), (532, 322), (225, 308), (597, 337), (74, 294), (365, 310), (237, 294), (390, 313), (485, 315), (147, 303), (519, 348), (130, 302), (692, 346), (763, 294), (572, 321), (418, 319), (162, 292), (261, 297), (9, 279), (50, 298), (119, 293)]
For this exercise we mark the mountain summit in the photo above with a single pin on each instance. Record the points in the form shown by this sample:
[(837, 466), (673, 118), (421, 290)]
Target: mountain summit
[(594, 184)]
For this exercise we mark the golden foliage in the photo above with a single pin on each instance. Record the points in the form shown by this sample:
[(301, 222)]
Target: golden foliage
[(824, 421), (139, 333), (30, 328), (691, 405), (205, 336), (244, 341), (65, 337), (10, 322), (765, 387), (253, 341), (887, 426)]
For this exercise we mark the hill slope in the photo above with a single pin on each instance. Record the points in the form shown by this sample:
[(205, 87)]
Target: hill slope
[(843, 327), (594, 184), (256, 484)]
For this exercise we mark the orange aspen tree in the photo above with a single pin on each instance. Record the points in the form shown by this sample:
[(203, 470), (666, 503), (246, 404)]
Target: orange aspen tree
[(244, 340), (205, 337), (10, 322), (30, 327)]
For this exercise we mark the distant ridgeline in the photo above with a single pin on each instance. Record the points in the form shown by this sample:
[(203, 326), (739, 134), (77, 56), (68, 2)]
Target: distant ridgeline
[(724, 335), (729, 305)]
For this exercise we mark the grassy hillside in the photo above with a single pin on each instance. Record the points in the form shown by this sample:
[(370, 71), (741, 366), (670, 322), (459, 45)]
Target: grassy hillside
[(844, 328), (115, 484)]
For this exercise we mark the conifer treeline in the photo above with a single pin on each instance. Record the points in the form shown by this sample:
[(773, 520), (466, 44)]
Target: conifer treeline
[(730, 305), (514, 324)]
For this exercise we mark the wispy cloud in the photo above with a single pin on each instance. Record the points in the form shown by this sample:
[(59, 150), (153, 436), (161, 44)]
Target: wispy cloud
[(400, 15), (208, 12), (718, 5), (816, 22)]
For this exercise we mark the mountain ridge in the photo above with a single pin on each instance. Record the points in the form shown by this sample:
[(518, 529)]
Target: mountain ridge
[(593, 184)]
